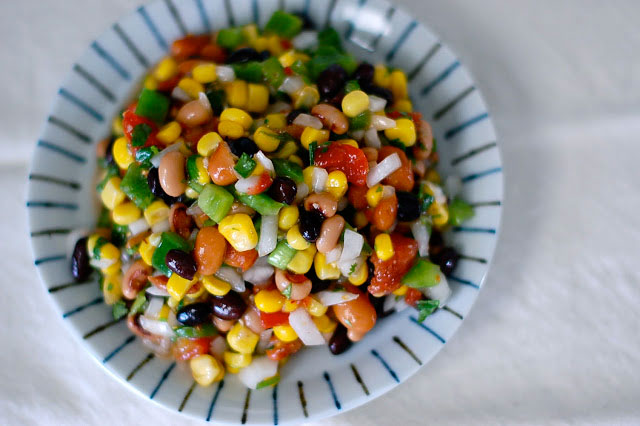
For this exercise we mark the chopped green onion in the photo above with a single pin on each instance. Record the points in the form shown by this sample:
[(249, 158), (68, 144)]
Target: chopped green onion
[(245, 165), (215, 201), (281, 255), (360, 121), (271, 381), (119, 310), (426, 308), (140, 134), (288, 169), (135, 186), (261, 203), (351, 86), (423, 274), (284, 24), (205, 330), (138, 303), (230, 38), (459, 211), (168, 241), (152, 105), (287, 291), (312, 152), (249, 71)]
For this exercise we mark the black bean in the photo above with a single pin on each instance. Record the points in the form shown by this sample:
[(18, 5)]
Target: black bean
[(436, 243), (243, 55), (380, 92), (378, 305), (108, 155), (229, 307), (283, 190), (316, 283), (447, 259), (153, 181), (408, 206), (331, 80), (363, 74), (181, 263), (243, 144), (293, 114), (339, 342), (307, 23), (264, 55), (80, 268), (195, 314), (310, 224)]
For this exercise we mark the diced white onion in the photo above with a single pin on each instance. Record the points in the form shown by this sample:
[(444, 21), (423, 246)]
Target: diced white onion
[(102, 263), (319, 178), (383, 169), (357, 135), (352, 245), (305, 40), (305, 328), (389, 303), (159, 347), (372, 139), (217, 346), (440, 292), (155, 160), (261, 368), (244, 185), (388, 191), (139, 226), (204, 101), (452, 186), (179, 94), (346, 266), (334, 254), (265, 341), (306, 120), (268, 235), (154, 306), (225, 73), (330, 298), (265, 161), (172, 320), (230, 275), (303, 191), (162, 226), (194, 210), (380, 122), (160, 328), (259, 272), (376, 103), (291, 85), (438, 194), (155, 291), (278, 108), (421, 235)]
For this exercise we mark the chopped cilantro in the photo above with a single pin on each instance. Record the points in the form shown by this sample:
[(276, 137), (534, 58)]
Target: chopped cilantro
[(312, 152), (352, 269), (140, 134), (119, 310), (271, 381), (426, 308), (287, 292)]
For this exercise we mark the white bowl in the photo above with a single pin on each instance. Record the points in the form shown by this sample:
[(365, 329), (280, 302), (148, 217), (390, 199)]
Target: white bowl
[(315, 384)]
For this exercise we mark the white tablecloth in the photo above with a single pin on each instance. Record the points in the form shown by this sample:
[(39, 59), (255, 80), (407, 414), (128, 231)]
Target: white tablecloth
[(554, 335)]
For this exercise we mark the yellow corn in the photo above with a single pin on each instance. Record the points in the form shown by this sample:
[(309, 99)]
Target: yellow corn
[(350, 142), (166, 69), (403, 105), (303, 260), (309, 135), (355, 103), (296, 159), (239, 231), (285, 333), (325, 271), (288, 149), (384, 247), (290, 305), (112, 288), (191, 193), (177, 286), (276, 121), (360, 220), (288, 217), (121, 153), (110, 252), (235, 360), (150, 83), (208, 143), (274, 45), (146, 251), (381, 76), (250, 33), (258, 97), (434, 176), (266, 139), (156, 212), (315, 308), (295, 239), (190, 87), (439, 213), (205, 369), (163, 314), (237, 93), (307, 174), (170, 132), (172, 303), (360, 276), (111, 194), (154, 239), (237, 116), (125, 213), (269, 301), (307, 97), (230, 129), (113, 269), (203, 175), (405, 132), (204, 73), (374, 195), (290, 56), (401, 291), (337, 184), (325, 324), (261, 43), (91, 243), (241, 339), (215, 286), (398, 85), (258, 170), (235, 370)]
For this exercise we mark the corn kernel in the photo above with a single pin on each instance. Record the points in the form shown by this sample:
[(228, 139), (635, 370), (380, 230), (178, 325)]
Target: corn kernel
[(235, 360), (109, 252), (169, 133), (440, 214), (374, 195), (235, 370), (434, 176), (230, 129), (398, 85), (215, 286), (274, 45), (258, 97), (314, 307), (288, 217), (238, 116), (285, 333), (111, 194), (166, 69), (177, 286), (401, 291), (146, 251), (381, 76), (276, 121), (295, 159), (156, 212), (307, 174), (302, 260), (350, 142), (203, 175), (360, 276), (325, 271), (239, 231), (208, 143), (205, 369), (355, 103), (405, 132), (290, 305), (403, 105), (191, 193), (163, 314), (266, 139), (337, 184), (204, 73), (112, 288), (91, 243), (126, 213), (173, 303), (269, 301), (287, 58), (258, 170), (190, 87), (241, 339), (384, 247), (261, 43), (113, 269), (307, 97), (150, 83), (325, 324), (121, 153), (155, 238), (237, 93), (310, 135), (295, 239), (360, 220)]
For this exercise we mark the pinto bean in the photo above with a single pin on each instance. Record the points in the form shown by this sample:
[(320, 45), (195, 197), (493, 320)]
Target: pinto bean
[(324, 202), (300, 285), (135, 279), (332, 118), (171, 174), (209, 250), (193, 114), (179, 221), (330, 233)]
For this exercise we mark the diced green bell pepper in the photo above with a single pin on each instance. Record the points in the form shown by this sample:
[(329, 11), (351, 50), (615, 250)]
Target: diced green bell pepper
[(351, 85), (288, 169), (271, 381), (138, 304), (249, 71), (459, 211), (152, 105), (245, 165), (423, 274), (168, 241), (140, 134), (230, 38), (281, 255), (215, 201), (134, 185), (273, 72), (330, 37), (284, 24), (261, 203), (205, 330), (144, 155), (360, 121)]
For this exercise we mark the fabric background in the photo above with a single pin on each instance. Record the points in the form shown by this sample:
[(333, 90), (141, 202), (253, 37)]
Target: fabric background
[(553, 337)]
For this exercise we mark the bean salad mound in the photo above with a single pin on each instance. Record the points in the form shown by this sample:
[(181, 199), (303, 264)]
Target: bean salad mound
[(266, 191)]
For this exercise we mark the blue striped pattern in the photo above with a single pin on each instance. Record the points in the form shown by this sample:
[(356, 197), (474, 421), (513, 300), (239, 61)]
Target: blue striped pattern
[(385, 365), (203, 16), (164, 377), (440, 78), (459, 128), (215, 398), (403, 37), (81, 308), (69, 128), (48, 259), (474, 229), (109, 59), (479, 175), (80, 104), (256, 11), (152, 27), (132, 47), (461, 281), (52, 205), (93, 81), (433, 333), (120, 347), (336, 401), (274, 397), (62, 151)]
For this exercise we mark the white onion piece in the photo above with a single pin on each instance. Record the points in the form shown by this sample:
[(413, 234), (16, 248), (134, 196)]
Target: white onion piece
[(401, 305), (291, 85), (162, 226), (305, 40), (194, 210), (389, 303), (278, 107), (380, 122), (160, 328), (154, 306), (306, 120), (218, 346), (383, 169), (305, 328), (334, 254), (204, 101), (265, 341), (268, 235), (230, 275), (376, 103), (225, 73), (244, 185), (179, 94), (440, 292), (139, 226), (172, 320), (102, 263), (155, 160), (351, 245), (319, 178), (155, 291), (259, 272), (160, 346), (330, 298), (421, 235), (73, 238), (388, 191), (303, 191), (357, 135), (265, 161), (261, 368), (438, 194), (346, 266), (452, 186), (372, 139)]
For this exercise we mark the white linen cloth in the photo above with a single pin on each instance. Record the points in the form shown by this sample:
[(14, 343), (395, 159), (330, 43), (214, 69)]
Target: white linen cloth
[(553, 337)]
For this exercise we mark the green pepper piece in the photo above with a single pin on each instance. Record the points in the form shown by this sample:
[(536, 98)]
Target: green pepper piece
[(143, 155), (119, 310), (168, 241), (152, 105), (288, 169), (426, 308), (119, 234), (215, 201), (261, 203), (459, 211), (284, 24), (249, 71), (245, 165), (140, 134), (360, 121), (138, 304), (423, 274), (351, 85), (330, 37), (271, 381), (230, 38), (112, 170), (281, 255), (205, 330), (134, 185), (273, 72)]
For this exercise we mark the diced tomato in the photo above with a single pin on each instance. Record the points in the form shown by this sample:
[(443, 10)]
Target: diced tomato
[(394, 114), (416, 117), (357, 196), (412, 296), (286, 44), (346, 158), (221, 166), (281, 350), (273, 319), (189, 46), (385, 213), (288, 71), (263, 183), (240, 259), (185, 67), (168, 85), (185, 348), (214, 53), (130, 120), (402, 179), (387, 274)]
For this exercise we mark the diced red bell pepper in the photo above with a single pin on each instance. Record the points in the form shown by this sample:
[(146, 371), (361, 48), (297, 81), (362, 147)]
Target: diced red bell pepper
[(130, 120), (387, 274), (346, 158), (412, 297), (186, 348), (240, 259), (274, 319)]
